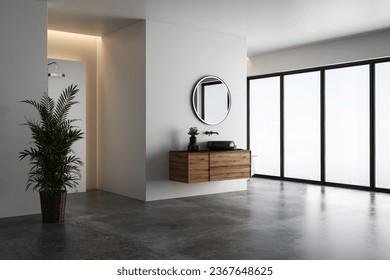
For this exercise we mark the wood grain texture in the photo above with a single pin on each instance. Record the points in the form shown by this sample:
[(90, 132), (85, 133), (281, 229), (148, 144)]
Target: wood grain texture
[(229, 172), (232, 158), (178, 167), (198, 167), (191, 167)]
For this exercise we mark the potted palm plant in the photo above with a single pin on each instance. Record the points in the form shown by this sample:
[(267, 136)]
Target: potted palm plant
[(54, 165)]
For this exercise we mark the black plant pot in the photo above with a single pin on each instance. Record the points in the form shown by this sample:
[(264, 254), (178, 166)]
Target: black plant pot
[(53, 207), (192, 144)]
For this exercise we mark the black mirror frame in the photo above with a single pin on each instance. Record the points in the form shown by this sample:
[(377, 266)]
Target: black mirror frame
[(198, 83)]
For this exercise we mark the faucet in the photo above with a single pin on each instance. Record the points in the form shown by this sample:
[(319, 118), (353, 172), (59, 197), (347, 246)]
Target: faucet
[(209, 133)]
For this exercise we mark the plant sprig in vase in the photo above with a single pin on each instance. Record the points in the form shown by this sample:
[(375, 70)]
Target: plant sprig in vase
[(193, 144), (193, 131)]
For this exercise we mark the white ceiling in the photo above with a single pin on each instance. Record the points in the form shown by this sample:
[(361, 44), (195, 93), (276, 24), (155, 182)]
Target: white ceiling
[(267, 24)]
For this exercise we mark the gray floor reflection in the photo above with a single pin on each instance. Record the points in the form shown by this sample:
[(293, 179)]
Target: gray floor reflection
[(343, 224), (271, 220)]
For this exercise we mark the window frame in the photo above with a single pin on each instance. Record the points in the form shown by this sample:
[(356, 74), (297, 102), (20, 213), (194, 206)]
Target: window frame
[(372, 160)]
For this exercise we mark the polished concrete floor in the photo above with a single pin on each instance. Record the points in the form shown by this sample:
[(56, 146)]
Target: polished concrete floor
[(272, 220)]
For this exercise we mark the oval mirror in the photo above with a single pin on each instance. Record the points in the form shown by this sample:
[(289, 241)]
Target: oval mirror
[(211, 100)]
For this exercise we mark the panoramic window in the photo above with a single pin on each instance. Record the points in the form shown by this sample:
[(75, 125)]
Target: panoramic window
[(382, 109), (347, 133), (328, 125), (265, 125), (302, 126)]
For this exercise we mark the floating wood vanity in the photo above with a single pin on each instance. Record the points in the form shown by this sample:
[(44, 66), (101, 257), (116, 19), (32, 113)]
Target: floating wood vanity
[(204, 166)]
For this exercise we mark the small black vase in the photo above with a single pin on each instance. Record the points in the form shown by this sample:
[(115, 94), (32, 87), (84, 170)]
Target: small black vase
[(192, 144)]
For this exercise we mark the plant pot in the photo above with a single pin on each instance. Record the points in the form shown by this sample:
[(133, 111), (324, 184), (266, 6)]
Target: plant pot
[(193, 140), (192, 144), (53, 207)]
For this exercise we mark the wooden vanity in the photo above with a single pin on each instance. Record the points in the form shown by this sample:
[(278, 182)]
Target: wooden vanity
[(205, 166)]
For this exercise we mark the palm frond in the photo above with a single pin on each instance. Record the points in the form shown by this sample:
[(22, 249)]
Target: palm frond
[(65, 102), (54, 166)]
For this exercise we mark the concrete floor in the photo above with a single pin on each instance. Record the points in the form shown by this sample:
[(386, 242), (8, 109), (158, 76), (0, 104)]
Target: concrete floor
[(272, 220)]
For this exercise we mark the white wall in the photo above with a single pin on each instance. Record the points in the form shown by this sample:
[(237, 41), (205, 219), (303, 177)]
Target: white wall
[(326, 53), (77, 47), (146, 75), (121, 117), (23, 59), (74, 74), (176, 57)]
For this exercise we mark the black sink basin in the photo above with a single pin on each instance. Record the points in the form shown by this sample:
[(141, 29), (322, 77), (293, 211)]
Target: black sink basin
[(221, 145)]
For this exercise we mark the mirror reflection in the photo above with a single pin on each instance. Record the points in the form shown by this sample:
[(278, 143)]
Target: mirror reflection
[(211, 100)]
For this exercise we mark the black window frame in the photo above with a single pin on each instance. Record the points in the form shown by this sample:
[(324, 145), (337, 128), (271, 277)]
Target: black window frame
[(372, 150)]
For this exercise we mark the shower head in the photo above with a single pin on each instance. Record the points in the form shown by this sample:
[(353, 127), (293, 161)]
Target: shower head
[(54, 74)]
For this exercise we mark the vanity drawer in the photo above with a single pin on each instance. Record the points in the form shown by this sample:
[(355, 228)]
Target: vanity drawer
[(229, 172), (230, 158)]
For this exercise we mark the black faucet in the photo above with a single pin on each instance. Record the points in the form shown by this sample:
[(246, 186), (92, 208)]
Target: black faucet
[(209, 133)]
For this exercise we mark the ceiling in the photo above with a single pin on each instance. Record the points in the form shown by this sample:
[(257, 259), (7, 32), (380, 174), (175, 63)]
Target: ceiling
[(268, 25)]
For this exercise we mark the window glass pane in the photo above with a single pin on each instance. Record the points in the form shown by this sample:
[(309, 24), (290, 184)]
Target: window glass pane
[(382, 126), (265, 125), (302, 126), (347, 125)]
